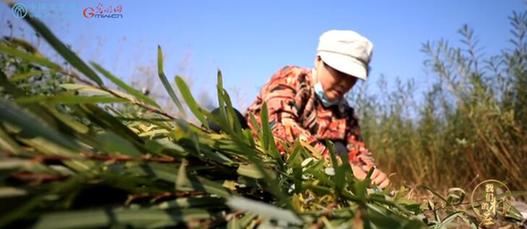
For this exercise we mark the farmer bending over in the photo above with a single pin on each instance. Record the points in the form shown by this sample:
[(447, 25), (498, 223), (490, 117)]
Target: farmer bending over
[(309, 105)]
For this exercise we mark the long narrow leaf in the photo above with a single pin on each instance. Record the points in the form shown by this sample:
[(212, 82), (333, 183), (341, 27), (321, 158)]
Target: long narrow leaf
[(25, 75), (190, 101), (140, 218), (109, 122), (268, 138), (262, 209), (137, 94), (165, 82), (229, 111), (28, 57), (27, 122), (7, 143), (449, 219), (115, 144), (70, 99), (225, 120), (339, 178), (61, 48), (68, 120)]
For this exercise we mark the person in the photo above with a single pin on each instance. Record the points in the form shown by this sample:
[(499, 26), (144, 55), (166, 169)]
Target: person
[(309, 104)]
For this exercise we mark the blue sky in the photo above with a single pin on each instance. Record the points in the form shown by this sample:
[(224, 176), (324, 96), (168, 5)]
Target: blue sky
[(249, 40)]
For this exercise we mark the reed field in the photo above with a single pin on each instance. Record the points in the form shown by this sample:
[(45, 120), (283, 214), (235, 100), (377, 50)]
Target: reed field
[(470, 126)]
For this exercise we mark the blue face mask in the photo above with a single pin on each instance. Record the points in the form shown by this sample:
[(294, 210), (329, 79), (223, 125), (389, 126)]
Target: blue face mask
[(319, 91)]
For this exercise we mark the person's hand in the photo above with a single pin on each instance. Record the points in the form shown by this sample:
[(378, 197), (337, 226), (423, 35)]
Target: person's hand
[(378, 177)]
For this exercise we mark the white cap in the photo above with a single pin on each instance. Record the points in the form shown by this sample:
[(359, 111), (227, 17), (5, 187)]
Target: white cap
[(346, 51)]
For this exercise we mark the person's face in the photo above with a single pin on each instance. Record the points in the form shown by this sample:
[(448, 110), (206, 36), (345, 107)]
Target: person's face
[(334, 83)]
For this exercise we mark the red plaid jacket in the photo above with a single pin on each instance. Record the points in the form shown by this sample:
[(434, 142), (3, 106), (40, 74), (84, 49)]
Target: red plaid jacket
[(296, 113)]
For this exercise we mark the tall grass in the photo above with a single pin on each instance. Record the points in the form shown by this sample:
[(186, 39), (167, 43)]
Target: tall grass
[(471, 124)]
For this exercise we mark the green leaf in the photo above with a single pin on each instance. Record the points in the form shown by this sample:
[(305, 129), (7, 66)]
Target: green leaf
[(190, 101), (434, 192), (7, 143), (115, 144), (46, 147), (139, 218), (24, 76), (85, 90), (132, 91), (246, 219), (297, 179), (266, 131), (109, 122), (182, 182), (514, 213), (164, 146), (70, 99), (348, 172), (155, 171), (294, 158), (203, 184), (168, 174), (339, 178), (360, 188), (219, 91), (28, 57), (8, 87), (234, 124), (20, 43), (227, 119), (19, 212), (255, 123), (263, 209), (234, 223), (30, 124), (249, 170), (379, 198), (86, 218), (223, 120), (448, 219), (11, 192), (384, 219), (61, 48), (204, 202), (165, 82), (267, 136), (69, 121)]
